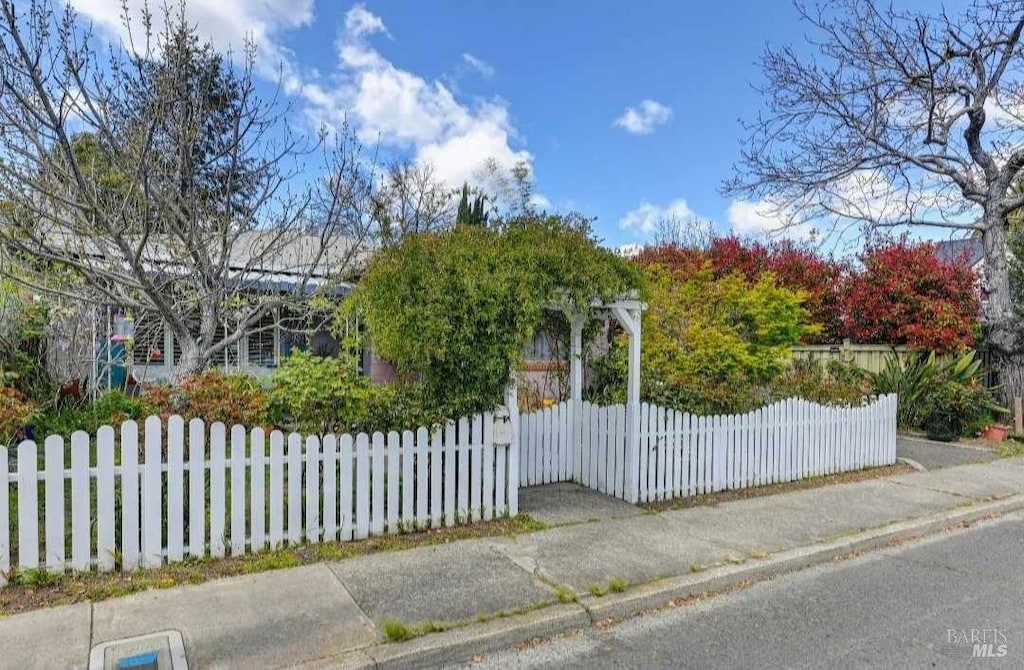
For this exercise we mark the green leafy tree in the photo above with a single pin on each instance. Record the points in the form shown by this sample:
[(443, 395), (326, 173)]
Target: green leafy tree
[(709, 344)]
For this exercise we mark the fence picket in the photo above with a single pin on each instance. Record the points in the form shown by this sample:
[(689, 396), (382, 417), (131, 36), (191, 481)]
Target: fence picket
[(476, 466), (392, 504), (294, 495), (422, 480), (436, 451), (488, 463), (276, 536), (346, 490), (106, 543), (81, 511), (362, 486), (129, 496), (152, 494), (618, 451), (408, 479), (175, 488), (312, 489), (28, 507), (238, 492), (462, 448), (196, 488), (377, 485), (53, 455), (329, 472), (258, 490), (449, 467), (218, 438)]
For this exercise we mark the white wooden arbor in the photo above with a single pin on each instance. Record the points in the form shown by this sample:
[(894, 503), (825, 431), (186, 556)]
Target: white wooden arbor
[(627, 310)]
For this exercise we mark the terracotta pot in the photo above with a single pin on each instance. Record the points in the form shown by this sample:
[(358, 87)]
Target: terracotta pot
[(996, 433)]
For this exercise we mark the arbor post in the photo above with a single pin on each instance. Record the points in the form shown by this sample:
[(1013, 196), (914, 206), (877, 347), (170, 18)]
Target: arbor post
[(576, 322), (630, 320)]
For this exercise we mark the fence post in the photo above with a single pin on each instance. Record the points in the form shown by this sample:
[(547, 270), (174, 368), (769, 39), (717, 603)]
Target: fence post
[(576, 394), (512, 403)]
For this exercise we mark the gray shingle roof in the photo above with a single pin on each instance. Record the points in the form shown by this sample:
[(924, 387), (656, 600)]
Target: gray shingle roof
[(952, 251)]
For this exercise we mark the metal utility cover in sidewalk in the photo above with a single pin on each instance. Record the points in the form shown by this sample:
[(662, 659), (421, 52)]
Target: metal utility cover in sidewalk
[(167, 647)]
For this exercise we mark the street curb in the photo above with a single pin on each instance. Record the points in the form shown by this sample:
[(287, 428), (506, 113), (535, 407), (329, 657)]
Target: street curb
[(461, 644), (662, 592)]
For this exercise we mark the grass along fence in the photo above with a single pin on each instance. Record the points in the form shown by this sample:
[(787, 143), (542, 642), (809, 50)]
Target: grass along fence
[(684, 454), (211, 491)]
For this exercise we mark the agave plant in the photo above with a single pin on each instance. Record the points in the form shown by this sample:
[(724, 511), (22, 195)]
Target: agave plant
[(913, 378)]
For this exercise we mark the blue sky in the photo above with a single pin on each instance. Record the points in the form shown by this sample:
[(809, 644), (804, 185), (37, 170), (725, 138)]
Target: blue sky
[(623, 111)]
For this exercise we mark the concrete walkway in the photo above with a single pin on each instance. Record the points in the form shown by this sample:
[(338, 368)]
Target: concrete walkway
[(934, 455), (314, 615)]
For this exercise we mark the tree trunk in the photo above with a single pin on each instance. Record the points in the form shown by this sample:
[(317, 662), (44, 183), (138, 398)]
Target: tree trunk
[(189, 363), (998, 315)]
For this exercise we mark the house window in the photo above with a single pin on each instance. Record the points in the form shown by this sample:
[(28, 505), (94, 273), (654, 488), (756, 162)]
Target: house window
[(227, 357), (308, 333), (544, 347), (262, 347)]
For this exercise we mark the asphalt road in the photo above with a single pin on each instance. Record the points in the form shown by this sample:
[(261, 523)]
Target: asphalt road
[(908, 607)]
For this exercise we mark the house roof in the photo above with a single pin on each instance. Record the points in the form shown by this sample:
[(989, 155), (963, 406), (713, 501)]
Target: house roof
[(264, 259), (953, 251)]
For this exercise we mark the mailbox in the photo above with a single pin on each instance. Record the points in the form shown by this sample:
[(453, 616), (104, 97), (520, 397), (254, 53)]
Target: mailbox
[(502, 426)]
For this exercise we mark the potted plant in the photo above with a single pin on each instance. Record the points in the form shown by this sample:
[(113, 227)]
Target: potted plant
[(995, 432)]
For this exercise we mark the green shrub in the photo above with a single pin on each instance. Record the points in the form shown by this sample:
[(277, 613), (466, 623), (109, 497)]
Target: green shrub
[(402, 406), (213, 396), (319, 394), (827, 385), (951, 409)]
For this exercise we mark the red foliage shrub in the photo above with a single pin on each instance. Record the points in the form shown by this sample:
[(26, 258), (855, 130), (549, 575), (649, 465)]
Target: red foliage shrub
[(213, 396), (903, 295), (906, 295)]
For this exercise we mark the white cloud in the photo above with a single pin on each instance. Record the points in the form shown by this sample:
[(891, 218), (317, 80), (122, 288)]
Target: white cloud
[(764, 218), (384, 104), (400, 109), (226, 23), (643, 120), (644, 219), (478, 64)]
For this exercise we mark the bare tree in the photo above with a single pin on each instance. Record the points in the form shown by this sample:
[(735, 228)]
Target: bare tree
[(155, 179), (900, 119), (411, 199), (687, 232)]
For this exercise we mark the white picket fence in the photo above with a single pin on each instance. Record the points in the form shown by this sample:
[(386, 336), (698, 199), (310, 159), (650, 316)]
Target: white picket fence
[(682, 454), (231, 495)]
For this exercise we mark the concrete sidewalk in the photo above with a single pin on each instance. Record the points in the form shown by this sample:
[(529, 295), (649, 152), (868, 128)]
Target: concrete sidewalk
[(330, 615)]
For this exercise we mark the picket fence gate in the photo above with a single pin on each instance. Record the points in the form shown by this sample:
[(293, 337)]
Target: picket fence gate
[(681, 454), (230, 496)]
